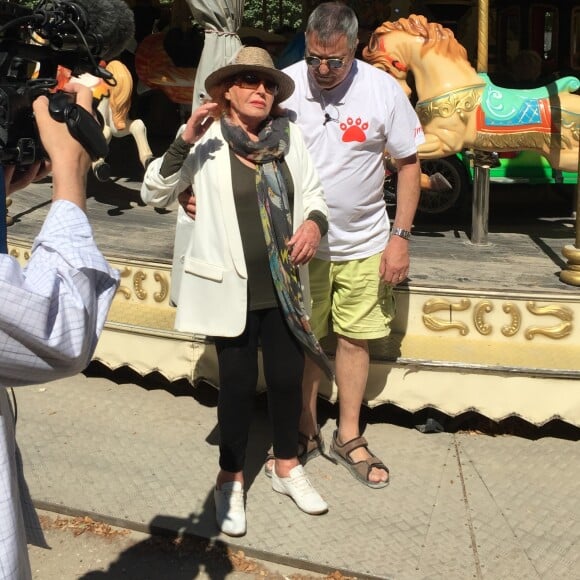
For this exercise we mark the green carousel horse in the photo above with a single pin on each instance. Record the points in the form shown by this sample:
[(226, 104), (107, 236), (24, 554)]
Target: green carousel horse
[(460, 108)]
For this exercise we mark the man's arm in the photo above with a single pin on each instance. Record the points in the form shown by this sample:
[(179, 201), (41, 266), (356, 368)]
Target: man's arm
[(395, 259), (53, 311)]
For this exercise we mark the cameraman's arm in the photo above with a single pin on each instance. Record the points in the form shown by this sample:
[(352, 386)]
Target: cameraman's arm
[(69, 162), (53, 311)]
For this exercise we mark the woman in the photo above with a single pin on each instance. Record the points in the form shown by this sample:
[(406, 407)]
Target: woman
[(247, 166)]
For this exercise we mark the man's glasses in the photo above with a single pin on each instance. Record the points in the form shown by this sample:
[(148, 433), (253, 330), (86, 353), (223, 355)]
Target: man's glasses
[(333, 62), (252, 81)]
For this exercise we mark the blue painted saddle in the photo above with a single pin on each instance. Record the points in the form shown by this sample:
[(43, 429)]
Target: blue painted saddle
[(513, 107)]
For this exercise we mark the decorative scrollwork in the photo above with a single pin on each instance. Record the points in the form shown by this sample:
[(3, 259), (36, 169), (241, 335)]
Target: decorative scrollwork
[(458, 102), (138, 280), (126, 292), (439, 304), (516, 322), (479, 312), (436, 304), (558, 330), (164, 287), (561, 312)]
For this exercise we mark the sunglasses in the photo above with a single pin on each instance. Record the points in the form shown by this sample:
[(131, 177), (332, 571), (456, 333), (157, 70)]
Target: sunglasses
[(252, 81), (333, 63)]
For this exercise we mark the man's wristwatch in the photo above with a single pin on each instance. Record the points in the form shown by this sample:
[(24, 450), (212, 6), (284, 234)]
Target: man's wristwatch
[(405, 234)]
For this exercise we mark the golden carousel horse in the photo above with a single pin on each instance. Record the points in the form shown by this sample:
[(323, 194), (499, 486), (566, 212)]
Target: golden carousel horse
[(114, 102), (460, 108)]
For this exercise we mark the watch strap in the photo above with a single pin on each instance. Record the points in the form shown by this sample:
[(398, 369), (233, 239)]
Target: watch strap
[(405, 234)]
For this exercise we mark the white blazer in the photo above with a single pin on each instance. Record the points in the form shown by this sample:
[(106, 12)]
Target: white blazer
[(209, 279)]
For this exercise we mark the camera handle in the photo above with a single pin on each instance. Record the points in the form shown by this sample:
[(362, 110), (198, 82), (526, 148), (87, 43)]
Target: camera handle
[(81, 124)]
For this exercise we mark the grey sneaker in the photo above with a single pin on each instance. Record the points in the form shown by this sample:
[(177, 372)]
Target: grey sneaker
[(299, 488), (230, 512)]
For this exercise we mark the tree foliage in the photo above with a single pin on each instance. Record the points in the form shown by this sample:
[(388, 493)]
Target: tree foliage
[(273, 15)]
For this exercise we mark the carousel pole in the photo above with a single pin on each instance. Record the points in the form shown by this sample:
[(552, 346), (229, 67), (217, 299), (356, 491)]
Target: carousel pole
[(480, 206), (571, 274)]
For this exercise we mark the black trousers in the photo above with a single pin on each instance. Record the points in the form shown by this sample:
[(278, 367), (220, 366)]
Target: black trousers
[(283, 362)]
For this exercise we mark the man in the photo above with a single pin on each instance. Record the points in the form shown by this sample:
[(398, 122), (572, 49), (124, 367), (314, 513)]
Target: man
[(52, 311), (351, 113)]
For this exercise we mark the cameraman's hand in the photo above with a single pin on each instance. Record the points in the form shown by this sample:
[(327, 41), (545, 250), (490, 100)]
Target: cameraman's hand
[(69, 162), (17, 179)]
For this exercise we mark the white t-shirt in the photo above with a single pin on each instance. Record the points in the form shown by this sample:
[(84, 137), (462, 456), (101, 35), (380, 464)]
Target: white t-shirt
[(347, 130)]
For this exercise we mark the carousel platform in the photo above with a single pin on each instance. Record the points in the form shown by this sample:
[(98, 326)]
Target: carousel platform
[(490, 329)]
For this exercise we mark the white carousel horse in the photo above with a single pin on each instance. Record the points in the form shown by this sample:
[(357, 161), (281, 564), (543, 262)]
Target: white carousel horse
[(114, 103), (460, 108)]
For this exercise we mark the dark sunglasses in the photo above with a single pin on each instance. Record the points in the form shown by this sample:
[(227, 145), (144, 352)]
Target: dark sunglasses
[(252, 81), (333, 63)]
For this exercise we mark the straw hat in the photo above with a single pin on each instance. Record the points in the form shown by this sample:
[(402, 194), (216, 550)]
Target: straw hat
[(256, 60)]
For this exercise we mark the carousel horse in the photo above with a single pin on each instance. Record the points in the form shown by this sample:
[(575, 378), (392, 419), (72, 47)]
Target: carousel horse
[(114, 102), (460, 108), (157, 70)]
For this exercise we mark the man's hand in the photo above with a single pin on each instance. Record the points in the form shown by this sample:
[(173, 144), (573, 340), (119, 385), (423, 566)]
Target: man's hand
[(188, 202), (69, 162), (15, 180), (395, 261), (304, 243)]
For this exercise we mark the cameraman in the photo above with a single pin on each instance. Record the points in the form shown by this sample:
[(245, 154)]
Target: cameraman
[(52, 311)]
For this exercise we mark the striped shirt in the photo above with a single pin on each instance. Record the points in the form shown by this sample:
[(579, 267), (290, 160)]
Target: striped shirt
[(51, 315)]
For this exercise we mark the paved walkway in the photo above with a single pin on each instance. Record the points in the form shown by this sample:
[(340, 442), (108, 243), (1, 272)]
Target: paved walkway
[(460, 505)]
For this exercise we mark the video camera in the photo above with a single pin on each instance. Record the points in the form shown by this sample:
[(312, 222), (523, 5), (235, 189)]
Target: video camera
[(76, 34)]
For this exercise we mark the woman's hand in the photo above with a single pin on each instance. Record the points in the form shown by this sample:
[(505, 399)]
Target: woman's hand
[(188, 203), (304, 243), (198, 123)]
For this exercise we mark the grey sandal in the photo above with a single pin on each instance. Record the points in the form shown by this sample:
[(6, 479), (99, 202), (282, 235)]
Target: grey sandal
[(361, 469), (309, 447)]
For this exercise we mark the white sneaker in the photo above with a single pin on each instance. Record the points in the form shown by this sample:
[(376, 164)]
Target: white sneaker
[(229, 508), (299, 488)]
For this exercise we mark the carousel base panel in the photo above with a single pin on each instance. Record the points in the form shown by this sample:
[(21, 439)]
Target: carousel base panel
[(487, 329), (412, 386)]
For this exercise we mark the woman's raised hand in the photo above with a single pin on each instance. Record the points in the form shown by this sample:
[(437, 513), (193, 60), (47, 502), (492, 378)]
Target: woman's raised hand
[(199, 122)]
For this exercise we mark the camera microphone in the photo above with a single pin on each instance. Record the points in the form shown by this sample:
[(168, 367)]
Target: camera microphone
[(107, 26), (327, 118)]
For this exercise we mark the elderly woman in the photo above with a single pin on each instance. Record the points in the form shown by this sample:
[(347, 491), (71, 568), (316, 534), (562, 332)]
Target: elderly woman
[(260, 216)]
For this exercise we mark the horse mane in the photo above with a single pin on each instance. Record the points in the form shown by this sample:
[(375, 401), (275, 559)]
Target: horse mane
[(120, 94), (436, 37)]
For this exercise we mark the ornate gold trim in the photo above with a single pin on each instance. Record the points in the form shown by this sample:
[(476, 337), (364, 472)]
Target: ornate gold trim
[(460, 102), (557, 331), (138, 280), (513, 328), (437, 324), (479, 312), (163, 287), (126, 292)]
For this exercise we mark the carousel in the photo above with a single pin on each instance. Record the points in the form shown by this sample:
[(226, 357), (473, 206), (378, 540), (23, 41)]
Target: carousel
[(486, 323)]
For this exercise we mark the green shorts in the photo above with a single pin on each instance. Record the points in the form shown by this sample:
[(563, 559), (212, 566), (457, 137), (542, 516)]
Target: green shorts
[(350, 292)]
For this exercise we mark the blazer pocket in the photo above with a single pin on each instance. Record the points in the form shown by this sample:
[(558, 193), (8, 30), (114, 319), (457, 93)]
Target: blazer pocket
[(203, 269)]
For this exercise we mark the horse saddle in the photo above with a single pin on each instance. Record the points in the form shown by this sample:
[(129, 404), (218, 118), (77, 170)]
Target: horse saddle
[(521, 107)]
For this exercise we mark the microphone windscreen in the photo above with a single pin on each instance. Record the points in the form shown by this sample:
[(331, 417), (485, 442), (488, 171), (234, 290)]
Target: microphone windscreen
[(113, 21)]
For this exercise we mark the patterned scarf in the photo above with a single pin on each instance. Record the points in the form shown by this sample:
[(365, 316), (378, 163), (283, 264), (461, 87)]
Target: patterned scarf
[(276, 217)]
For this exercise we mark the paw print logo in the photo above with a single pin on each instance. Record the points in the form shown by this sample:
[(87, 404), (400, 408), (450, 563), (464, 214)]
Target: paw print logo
[(353, 130)]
